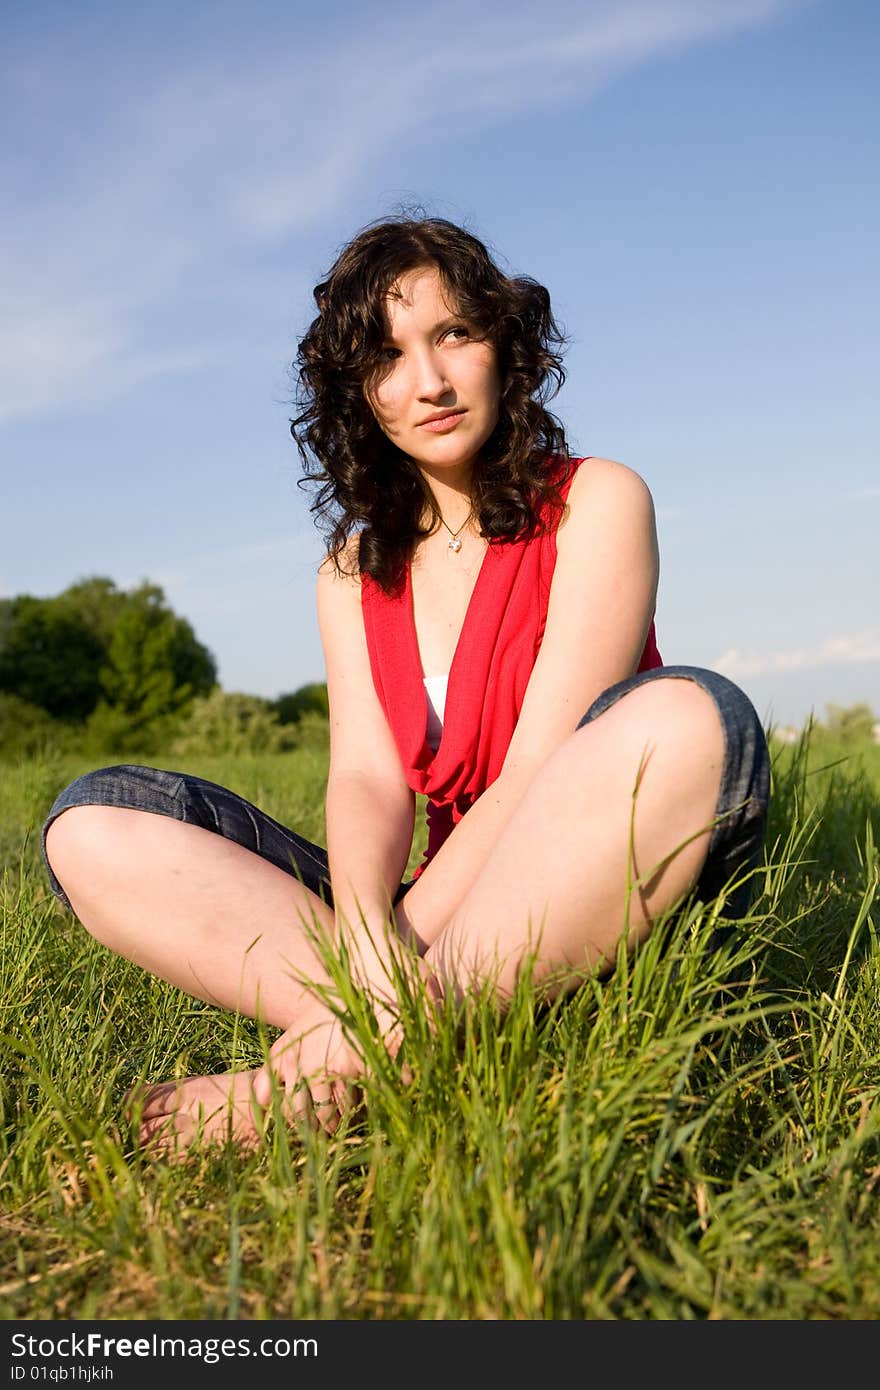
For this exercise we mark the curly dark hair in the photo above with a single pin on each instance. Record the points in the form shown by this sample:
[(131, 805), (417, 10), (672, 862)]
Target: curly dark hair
[(364, 481)]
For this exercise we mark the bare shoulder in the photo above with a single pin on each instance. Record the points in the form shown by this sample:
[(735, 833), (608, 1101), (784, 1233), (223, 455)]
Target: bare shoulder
[(342, 569), (338, 582), (608, 477), (604, 491), (609, 517)]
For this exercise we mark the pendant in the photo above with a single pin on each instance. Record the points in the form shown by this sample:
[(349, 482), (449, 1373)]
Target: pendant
[(455, 544)]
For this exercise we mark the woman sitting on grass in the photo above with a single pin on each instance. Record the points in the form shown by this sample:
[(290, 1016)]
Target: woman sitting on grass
[(486, 611)]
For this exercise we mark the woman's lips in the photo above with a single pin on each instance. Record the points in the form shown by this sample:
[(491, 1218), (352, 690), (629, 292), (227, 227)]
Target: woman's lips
[(445, 422)]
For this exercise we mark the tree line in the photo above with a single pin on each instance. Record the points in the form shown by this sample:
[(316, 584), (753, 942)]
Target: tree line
[(114, 669), (117, 670)]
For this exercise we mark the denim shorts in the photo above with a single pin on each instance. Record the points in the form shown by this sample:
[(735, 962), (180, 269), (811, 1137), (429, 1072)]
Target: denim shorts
[(734, 847)]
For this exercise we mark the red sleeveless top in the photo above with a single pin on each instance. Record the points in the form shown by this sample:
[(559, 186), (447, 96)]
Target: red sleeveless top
[(497, 647)]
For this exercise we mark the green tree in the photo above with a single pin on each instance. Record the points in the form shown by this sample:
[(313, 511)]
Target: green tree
[(96, 643), (97, 603), (49, 657), (120, 662), (308, 699), (155, 664)]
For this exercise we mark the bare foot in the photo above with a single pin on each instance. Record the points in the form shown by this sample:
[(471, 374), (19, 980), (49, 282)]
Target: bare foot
[(175, 1115)]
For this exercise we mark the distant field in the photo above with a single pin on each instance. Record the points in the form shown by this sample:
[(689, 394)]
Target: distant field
[(697, 1138)]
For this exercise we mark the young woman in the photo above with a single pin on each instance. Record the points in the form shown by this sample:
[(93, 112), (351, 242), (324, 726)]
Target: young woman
[(486, 611)]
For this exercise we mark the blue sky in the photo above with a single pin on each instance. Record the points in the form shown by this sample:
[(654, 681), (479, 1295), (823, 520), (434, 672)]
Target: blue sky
[(695, 181)]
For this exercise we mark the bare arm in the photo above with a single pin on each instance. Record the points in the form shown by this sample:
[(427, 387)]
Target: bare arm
[(601, 602), (370, 814), (370, 809)]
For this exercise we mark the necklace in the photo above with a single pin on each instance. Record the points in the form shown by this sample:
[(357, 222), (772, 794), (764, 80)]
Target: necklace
[(454, 543)]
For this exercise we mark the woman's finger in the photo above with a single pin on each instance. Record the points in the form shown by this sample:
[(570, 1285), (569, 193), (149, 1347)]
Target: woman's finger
[(262, 1087), (324, 1104)]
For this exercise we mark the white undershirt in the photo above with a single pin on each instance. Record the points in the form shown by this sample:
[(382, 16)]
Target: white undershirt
[(435, 696)]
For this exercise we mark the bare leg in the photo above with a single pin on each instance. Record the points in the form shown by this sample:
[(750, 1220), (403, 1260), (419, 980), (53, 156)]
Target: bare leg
[(203, 913), (560, 868), (226, 926)]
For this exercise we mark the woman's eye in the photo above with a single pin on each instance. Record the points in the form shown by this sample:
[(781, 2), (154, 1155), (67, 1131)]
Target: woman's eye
[(459, 332), (389, 354)]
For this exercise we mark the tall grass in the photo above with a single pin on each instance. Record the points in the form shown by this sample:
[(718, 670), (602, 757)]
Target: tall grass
[(696, 1137)]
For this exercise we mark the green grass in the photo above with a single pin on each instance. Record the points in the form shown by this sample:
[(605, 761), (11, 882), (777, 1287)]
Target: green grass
[(698, 1137)]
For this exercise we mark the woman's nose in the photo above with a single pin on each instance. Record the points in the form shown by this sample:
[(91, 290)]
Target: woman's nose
[(431, 378)]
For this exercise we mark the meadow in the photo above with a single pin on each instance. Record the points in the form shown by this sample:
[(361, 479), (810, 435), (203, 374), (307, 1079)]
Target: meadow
[(696, 1137)]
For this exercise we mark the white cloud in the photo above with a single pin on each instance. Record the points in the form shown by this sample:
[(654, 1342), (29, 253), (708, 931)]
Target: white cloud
[(863, 494), (847, 649), (200, 164), (56, 357)]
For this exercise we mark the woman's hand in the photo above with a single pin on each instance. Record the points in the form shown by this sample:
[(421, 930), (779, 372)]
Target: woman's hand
[(317, 1066), (314, 1065)]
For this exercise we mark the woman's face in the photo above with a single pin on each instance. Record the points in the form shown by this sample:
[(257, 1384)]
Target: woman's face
[(439, 393)]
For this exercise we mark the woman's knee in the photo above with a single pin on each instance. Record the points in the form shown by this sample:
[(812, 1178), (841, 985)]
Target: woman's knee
[(84, 823), (674, 716), (79, 842)]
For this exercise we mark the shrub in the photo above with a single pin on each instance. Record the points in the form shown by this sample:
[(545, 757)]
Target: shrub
[(26, 731), (232, 722)]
